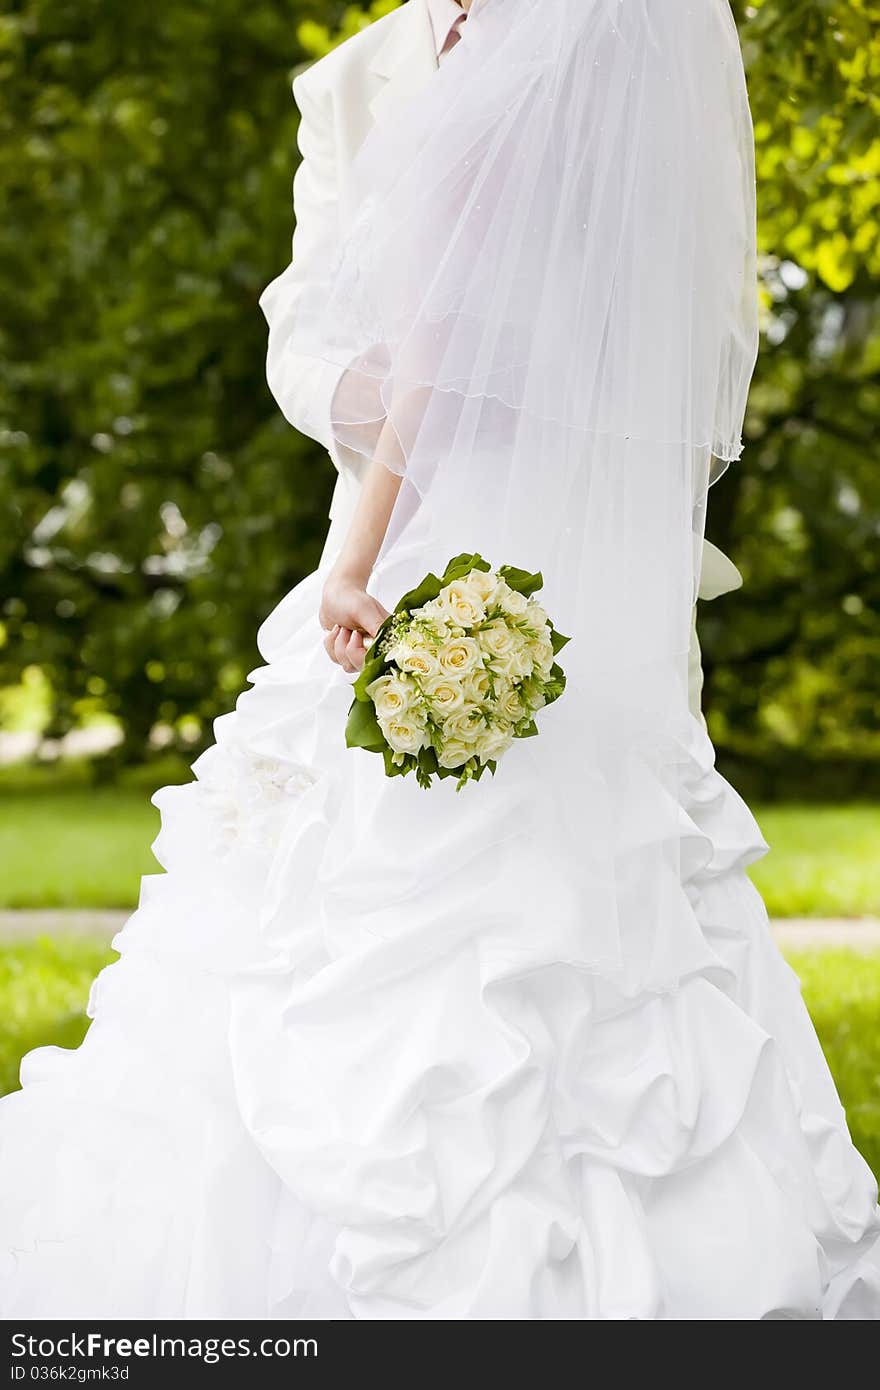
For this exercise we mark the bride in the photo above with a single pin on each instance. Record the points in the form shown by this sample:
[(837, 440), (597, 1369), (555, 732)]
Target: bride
[(526, 1052)]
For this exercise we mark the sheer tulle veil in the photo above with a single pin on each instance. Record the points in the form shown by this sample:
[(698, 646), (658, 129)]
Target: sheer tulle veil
[(546, 282)]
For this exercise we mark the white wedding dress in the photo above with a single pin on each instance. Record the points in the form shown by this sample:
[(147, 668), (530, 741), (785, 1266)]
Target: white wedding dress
[(348, 1065), (527, 1052)]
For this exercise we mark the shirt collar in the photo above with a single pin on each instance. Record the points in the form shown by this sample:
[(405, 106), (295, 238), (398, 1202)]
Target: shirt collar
[(445, 14)]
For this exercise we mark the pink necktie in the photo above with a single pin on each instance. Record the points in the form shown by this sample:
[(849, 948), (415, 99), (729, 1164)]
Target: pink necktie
[(454, 35)]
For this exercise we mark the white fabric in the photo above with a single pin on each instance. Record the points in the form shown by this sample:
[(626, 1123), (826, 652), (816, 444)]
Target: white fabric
[(349, 1067), (719, 575), (340, 98), (524, 1053), (632, 273), (447, 18)]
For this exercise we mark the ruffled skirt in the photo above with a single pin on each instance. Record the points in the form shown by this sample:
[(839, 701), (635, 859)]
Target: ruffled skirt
[(365, 1055)]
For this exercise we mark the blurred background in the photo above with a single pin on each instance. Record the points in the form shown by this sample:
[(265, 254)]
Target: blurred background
[(155, 506)]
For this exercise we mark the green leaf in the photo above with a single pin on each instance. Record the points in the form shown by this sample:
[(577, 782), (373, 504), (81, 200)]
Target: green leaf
[(483, 768), (557, 640), (373, 668), (362, 729), (430, 586), (529, 730), (463, 565), (428, 761), (393, 769), (556, 684), (423, 593), (521, 580)]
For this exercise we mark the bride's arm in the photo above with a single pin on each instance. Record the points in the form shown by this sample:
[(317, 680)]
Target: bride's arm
[(348, 612)]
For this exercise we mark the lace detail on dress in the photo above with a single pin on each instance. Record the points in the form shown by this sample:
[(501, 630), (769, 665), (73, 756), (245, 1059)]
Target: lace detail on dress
[(249, 796)]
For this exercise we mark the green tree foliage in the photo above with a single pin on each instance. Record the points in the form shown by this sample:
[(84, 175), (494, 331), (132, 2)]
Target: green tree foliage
[(318, 39), (793, 662), (153, 503)]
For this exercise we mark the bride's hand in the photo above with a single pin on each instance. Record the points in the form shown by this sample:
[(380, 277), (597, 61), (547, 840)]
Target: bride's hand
[(348, 614)]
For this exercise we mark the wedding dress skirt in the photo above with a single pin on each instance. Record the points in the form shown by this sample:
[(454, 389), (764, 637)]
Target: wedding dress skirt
[(355, 1060)]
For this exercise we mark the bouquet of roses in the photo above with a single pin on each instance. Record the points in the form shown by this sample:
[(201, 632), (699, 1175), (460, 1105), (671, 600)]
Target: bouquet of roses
[(456, 673)]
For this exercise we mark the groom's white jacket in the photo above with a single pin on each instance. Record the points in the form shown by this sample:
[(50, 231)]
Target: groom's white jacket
[(340, 98)]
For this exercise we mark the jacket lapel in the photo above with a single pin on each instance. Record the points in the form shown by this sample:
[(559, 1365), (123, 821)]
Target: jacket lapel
[(406, 60)]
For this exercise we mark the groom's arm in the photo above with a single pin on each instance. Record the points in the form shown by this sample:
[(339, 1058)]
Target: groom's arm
[(304, 388), (311, 385)]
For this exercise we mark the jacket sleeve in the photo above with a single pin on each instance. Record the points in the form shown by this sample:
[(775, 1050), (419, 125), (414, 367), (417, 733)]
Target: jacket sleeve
[(304, 387), (719, 575)]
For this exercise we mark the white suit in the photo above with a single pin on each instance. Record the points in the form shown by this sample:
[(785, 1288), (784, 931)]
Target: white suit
[(340, 98)]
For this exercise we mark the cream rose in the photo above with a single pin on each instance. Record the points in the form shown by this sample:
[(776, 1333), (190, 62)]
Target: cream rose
[(492, 743), (464, 727), (497, 640), (514, 603), (392, 695), (454, 754), (510, 706), (404, 733), (459, 656), (425, 631), (541, 653), (460, 604), (485, 585), (477, 687), (417, 659), (517, 663), (443, 694)]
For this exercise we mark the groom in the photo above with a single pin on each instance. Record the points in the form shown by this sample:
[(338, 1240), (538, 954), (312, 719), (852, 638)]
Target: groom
[(366, 80)]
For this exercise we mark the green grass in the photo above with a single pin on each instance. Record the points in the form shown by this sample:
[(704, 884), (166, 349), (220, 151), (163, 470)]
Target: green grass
[(842, 991), (75, 848), (44, 986), (824, 861), (68, 843)]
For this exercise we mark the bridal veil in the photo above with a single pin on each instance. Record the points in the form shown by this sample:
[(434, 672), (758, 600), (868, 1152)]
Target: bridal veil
[(545, 291)]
